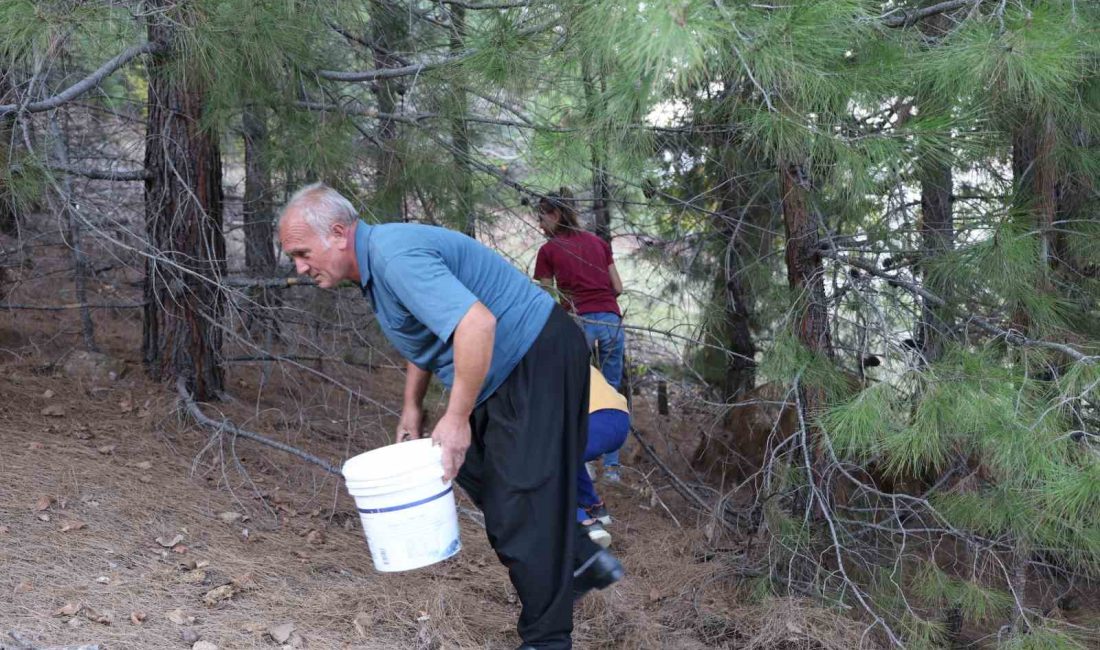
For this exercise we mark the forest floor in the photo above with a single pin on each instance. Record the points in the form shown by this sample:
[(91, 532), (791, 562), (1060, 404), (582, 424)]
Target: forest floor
[(124, 523)]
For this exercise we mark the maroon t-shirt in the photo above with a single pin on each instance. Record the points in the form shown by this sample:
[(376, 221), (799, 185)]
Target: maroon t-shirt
[(578, 262)]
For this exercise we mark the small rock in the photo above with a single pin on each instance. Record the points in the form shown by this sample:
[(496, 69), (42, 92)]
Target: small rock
[(204, 645), (281, 633), (145, 478), (229, 517), (70, 609), (169, 543), (218, 594), (143, 465), (188, 635), (137, 618), (179, 618), (53, 411), (48, 394), (106, 449), (103, 580), (42, 516), (75, 622)]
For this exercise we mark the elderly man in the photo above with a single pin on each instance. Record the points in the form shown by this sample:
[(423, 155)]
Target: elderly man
[(517, 368)]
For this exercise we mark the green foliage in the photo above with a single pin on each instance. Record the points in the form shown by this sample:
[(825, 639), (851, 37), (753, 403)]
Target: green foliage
[(977, 602)]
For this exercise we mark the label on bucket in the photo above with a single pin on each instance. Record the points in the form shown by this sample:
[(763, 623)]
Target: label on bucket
[(411, 535)]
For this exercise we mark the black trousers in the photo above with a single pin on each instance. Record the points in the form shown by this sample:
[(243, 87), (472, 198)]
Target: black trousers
[(521, 470)]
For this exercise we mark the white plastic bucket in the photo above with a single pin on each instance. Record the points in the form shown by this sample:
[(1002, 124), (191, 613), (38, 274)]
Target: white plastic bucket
[(407, 510)]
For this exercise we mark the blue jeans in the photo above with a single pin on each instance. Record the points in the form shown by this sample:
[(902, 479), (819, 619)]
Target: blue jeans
[(606, 328), (607, 429)]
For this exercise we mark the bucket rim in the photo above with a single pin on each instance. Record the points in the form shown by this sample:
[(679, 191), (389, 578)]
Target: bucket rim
[(392, 461)]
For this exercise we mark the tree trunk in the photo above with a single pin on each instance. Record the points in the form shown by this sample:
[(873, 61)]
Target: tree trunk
[(736, 223), (9, 223), (66, 209), (806, 277), (601, 191), (937, 233), (1034, 175), (805, 273), (259, 235), (937, 225), (183, 220), (460, 137), (388, 33)]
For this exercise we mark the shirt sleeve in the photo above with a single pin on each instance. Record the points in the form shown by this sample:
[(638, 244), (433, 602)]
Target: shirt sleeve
[(428, 289), (544, 266)]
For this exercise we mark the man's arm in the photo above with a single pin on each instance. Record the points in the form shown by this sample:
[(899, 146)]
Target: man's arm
[(473, 352), (411, 425)]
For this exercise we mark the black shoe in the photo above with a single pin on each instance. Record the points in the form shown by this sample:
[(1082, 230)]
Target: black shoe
[(598, 572)]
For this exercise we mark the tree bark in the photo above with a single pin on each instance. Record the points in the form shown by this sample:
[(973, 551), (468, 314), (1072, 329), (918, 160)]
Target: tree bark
[(388, 33), (601, 191), (1034, 174), (460, 137), (9, 223), (73, 234), (805, 273), (806, 278), (937, 224), (183, 220), (937, 234), (259, 235), (739, 216)]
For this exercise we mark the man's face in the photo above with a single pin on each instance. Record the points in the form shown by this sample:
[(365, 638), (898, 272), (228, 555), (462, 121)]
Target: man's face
[(325, 259)]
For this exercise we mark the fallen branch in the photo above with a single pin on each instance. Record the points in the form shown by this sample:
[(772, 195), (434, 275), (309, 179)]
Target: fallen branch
[(268, 283), (909, 17), (684, 489), (225, 425)]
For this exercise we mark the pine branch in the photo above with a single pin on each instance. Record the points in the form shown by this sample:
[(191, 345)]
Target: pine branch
[(225, 425), (1010, 336), (480, 7), (85, 84), (393, 73)]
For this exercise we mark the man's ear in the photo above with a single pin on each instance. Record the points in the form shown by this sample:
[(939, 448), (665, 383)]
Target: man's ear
[(340, 233)]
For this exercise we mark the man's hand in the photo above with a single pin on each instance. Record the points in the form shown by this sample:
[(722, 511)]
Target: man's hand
[(411, 425), (452, 433)]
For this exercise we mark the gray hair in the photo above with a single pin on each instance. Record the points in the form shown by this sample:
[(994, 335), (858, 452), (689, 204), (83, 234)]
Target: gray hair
[(322, 207)]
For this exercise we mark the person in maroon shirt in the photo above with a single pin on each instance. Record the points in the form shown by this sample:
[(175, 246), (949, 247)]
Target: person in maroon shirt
[(580, 266)]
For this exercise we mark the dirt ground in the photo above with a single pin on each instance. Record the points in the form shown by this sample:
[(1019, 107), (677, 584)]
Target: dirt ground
[(124, 523)]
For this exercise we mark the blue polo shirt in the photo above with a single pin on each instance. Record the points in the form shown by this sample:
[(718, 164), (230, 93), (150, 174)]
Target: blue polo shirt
[(421, 281)]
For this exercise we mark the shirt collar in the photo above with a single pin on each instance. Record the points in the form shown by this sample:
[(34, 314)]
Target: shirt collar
[(362, 254)]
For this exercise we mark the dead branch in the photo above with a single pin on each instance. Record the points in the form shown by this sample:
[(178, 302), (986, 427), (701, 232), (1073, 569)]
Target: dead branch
[(908, 18), (225, 425), (85, 84), (268, 283), (101, 174), (683, 488)]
